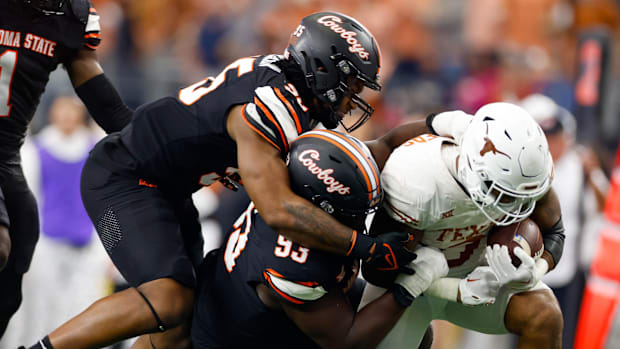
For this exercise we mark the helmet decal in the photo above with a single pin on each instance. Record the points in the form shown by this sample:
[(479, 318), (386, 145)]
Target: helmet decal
[(333, 23), (307, 158), (336, 172), (490, 147)]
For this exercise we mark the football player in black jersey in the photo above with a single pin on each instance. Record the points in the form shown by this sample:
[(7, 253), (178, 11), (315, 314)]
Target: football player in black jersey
[(35, 37), (263, 290), (136, 184)]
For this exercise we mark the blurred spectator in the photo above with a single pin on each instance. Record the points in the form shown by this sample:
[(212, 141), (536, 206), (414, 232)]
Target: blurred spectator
[(68, 266), (581, 187)]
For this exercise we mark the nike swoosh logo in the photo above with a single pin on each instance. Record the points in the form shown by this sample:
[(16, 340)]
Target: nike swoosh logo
[(472, 280)]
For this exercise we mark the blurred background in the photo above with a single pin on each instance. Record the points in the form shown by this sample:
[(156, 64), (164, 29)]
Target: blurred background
[(437, 55)]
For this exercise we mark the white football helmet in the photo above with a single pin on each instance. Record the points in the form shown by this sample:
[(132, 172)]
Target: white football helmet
[(504, 162)]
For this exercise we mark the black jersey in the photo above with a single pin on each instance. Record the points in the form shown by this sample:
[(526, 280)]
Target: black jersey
[(180, 143), (31, 47), (228, 312)]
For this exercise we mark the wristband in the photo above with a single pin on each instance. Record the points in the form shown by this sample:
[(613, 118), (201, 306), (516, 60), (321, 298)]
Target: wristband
[(361, 246)]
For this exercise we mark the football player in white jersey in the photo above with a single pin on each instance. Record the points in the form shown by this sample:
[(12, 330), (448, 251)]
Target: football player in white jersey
[(453, 191)]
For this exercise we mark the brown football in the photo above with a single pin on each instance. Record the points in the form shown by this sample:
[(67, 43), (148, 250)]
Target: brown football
[(524, 234)]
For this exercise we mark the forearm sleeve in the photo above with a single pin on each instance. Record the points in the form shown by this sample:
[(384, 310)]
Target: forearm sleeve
[(553, 239), (104, 103)]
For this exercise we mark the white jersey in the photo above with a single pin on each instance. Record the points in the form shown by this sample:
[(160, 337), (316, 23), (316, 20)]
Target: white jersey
[(421, 192)]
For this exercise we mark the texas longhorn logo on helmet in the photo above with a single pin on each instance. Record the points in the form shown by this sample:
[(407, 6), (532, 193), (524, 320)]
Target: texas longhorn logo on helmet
[(490, 147)]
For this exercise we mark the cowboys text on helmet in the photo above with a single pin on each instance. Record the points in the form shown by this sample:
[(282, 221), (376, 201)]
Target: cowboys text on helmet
[(307, 158), (333, 23)]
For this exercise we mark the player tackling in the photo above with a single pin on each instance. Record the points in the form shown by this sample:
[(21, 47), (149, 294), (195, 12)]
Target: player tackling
[(454, 191)]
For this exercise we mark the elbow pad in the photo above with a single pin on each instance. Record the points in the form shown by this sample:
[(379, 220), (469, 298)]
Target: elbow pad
[(104, 104), (553, 240)]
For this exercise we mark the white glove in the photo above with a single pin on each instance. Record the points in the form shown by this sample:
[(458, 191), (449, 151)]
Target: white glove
[(479, 287), (429, 265), (517, 279), (451, 124)]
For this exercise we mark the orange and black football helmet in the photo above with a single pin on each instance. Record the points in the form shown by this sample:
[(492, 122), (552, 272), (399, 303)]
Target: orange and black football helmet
[(337, 173)]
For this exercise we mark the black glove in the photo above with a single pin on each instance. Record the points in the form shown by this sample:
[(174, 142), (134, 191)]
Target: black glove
[(386, 252)]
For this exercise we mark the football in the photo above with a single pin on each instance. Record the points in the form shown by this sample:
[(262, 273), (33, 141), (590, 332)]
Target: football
[(524, 234)]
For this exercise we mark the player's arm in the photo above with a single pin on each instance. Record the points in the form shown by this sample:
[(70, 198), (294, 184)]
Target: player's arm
[(548, 216), (265, 177), (447, 124), (333, 323), (97, 92), (383, 146)]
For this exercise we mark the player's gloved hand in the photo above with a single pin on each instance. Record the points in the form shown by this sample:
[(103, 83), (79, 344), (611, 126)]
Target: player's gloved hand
[(479, 287), (385, 252), (517, 279), (449, 124), (429, 266)]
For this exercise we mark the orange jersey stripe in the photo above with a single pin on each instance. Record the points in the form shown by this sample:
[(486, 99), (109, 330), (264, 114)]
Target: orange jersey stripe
[(356, 146), (346, 151), (92, 47), (257, 130), (92, 35), (266, 276), (290, 109), (273, 120)]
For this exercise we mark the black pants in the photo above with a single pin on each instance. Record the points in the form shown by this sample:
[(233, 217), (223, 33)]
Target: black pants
[(148, 234), (18, 204)]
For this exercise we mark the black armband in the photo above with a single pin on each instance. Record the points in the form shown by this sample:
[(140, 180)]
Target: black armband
[(429, 123), (553, 240), (104, 103)]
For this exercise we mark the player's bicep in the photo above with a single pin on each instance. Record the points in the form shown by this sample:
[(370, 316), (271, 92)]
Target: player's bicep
[(264, 173), (383, 146), (83, 67), (327, 320)]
